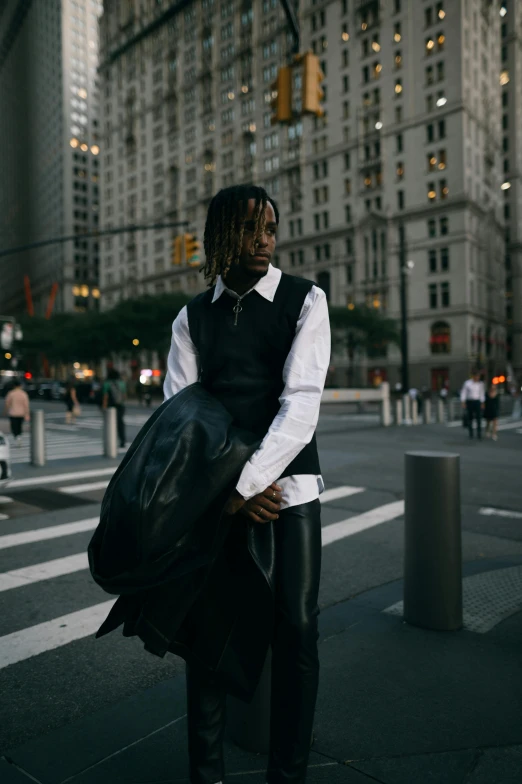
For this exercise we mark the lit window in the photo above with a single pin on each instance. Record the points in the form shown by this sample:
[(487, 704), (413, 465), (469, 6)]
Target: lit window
[(504, 77), (432, 162), (74, 142), (397, 32), (400, 171), (442, 159), (377, 68), (444, 190), (376, 46), (440, 11), (398, 87), (398, 59), (432, 195), (440, 40), (430, 45)]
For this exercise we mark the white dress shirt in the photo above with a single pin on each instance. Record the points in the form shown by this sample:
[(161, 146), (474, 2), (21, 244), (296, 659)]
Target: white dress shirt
[(304, 374), (473, 390)]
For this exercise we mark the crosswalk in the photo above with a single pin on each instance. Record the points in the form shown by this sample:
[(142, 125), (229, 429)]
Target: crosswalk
[(68, 441), (504, 423), (56, 552)]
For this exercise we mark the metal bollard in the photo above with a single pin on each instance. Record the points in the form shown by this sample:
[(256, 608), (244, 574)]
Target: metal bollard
[(426, 412), (385, 412), (453, 404), (249, 723), (406, 402), (440, 411), (414, 412), (110, 440), (433, 549), (398, 412), (37, 438)]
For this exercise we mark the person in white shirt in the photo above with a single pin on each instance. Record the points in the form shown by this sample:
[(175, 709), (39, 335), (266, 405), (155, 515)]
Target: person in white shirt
[(259, 341), (473, 398)]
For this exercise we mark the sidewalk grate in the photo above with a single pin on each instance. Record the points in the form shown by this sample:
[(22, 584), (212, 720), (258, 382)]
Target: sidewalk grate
[(488, 598)]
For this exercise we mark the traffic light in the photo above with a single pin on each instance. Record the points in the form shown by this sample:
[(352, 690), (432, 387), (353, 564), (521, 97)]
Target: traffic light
[(176, 249), (312, 91), (192, 248), (282, 103)]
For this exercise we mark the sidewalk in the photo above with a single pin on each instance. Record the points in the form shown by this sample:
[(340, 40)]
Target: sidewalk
[(397, 705)]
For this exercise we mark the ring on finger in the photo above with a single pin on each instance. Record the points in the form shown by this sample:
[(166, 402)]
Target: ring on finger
[(260, 510)]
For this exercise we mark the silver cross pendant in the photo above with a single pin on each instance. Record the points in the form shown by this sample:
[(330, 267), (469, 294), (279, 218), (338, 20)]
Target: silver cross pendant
[(237, 310)]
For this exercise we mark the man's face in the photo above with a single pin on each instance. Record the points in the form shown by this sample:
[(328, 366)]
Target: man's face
[(256, 266), (476, 376)]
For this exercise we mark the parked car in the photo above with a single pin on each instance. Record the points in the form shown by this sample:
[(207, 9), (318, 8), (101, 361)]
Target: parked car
[(5, 460), (48, 389)]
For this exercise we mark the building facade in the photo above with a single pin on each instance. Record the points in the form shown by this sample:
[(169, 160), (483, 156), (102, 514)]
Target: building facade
[(406, 166), (49, 139)]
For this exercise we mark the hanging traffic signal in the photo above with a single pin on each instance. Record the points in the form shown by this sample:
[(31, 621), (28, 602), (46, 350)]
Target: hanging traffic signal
[(282, 103), (192, 249), (313, 94), (176, 249)]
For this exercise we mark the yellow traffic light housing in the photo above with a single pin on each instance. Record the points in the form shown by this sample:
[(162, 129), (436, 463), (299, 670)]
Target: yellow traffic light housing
[(176, 250), (192, 250), (312, 91), (282, 103)]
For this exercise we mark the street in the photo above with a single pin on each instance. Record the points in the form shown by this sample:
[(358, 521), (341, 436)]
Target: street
[(54, 674)]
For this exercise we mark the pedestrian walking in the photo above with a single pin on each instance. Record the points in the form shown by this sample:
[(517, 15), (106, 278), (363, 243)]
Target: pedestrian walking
[(491, 412), (259, 341), (472, 398), (71, 403), (114, 396), (17, 408)]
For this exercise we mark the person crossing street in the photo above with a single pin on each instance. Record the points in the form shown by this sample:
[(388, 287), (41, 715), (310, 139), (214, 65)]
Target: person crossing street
[(472, 398)]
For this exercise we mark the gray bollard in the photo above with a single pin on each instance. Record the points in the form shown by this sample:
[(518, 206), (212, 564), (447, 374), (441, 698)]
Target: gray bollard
[(385, 412), (37, 438), (249, 723), (110, 434), (398, 412), (406, 402), (440, 411), (414, 412), (426, 412), (454, 413), (433, 550)]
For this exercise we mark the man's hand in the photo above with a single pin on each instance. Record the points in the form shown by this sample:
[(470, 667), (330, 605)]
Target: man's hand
[(262, 508)]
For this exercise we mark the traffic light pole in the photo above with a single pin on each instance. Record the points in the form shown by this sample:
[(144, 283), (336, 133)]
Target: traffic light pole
[(292, 23), (404, 310), (92, 235)]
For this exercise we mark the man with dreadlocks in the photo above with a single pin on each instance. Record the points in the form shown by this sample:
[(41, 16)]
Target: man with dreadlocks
[(259, 341)]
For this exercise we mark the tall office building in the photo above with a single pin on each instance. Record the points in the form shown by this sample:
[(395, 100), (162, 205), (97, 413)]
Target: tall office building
[(49, 142), (404, 168)]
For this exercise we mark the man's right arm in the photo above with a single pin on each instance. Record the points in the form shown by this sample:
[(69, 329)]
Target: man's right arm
[(183, 359)]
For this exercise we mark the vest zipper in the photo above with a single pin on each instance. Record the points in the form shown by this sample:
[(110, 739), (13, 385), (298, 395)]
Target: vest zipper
[(237, 309)]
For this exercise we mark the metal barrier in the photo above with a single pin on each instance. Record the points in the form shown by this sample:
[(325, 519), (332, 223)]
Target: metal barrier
[(110, 433), (379, 395), (433, 548), (38, 437)]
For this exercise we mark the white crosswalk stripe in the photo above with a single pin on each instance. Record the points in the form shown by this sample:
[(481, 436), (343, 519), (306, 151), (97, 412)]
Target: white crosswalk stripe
[(54, 633)]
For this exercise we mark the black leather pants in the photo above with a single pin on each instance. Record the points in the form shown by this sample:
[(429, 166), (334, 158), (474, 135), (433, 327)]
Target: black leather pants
[(295, 663)]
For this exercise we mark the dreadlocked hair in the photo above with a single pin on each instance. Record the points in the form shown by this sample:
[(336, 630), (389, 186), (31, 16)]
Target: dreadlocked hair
[(224, 227)]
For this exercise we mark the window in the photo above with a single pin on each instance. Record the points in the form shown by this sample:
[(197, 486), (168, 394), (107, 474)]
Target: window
[(432, 194), (398, 114), (432, 162), (443, 189), (429, 132), (349, 273), (441, 38), (445, 295), (429, 75), (400, 170), (432, 290), (444, 259), (429, 45), (440, 71), (398, 59), (432, 260), (399, 143), (398, 86), (440, 338), (397, 32), (400, 200), (432, 229), (443, 225), (346, 160)]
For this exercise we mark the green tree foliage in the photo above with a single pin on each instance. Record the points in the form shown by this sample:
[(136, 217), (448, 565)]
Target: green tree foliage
[(362, 328)]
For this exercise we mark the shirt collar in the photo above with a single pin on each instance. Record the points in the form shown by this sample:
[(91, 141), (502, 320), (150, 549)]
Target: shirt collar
[(266, 286)]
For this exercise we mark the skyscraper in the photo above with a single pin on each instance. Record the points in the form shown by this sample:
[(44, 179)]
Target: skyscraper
[(49, 142)]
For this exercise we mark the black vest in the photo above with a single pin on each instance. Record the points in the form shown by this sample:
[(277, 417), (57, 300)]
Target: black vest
[(242, 365)]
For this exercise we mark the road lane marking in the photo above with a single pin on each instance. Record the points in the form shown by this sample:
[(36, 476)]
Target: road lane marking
[(73, 489), (53, 478), (28, 575), (353, 525), (26, 643), (339, 492), (509, 426), (490, 510), (52, 532)]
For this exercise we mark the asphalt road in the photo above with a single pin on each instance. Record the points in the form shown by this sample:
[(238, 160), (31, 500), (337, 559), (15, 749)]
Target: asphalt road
[(70, 679)]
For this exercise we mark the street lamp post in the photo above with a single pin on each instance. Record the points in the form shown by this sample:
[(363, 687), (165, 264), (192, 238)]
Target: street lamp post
[(404, 310)]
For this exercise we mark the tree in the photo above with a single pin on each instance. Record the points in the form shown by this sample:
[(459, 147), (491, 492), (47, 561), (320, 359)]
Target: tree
[(361, 330)]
